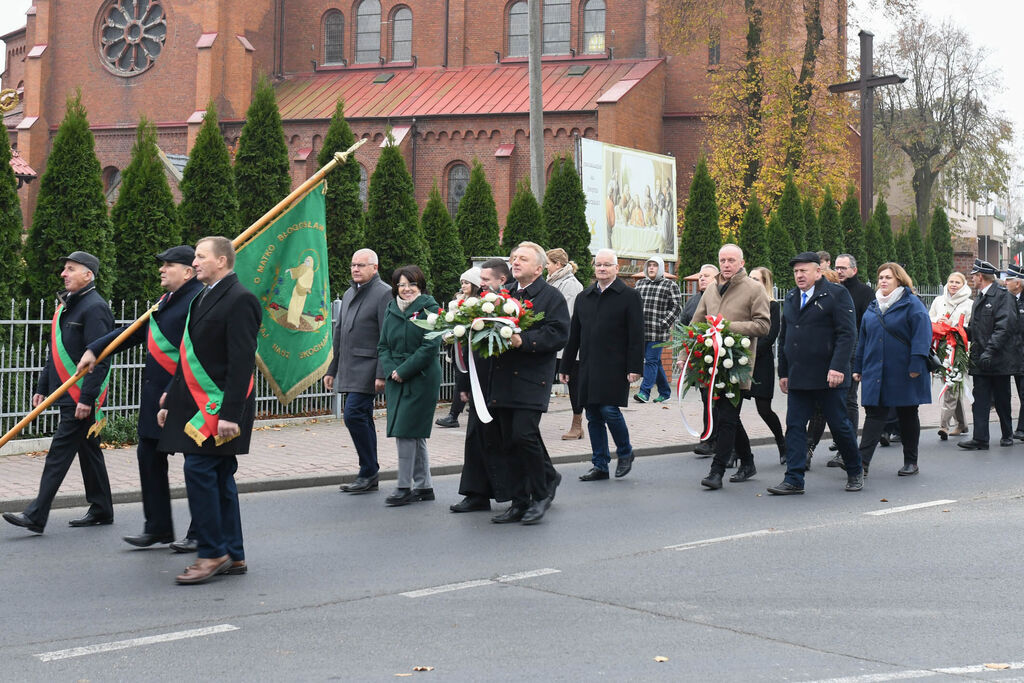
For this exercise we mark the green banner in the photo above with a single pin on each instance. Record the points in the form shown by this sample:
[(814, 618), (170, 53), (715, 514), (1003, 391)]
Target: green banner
[(285, 266)]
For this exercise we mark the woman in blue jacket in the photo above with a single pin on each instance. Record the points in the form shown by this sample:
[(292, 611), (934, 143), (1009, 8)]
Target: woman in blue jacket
[(895, 339)]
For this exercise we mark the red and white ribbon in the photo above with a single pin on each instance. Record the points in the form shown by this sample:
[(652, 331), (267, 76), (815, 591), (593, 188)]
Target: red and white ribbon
[(714, 333)]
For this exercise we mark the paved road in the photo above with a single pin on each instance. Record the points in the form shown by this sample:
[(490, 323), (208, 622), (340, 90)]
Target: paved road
[(731, 585)]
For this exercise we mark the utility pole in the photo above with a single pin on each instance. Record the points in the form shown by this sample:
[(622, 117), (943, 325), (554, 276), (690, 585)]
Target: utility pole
[(536, 104)]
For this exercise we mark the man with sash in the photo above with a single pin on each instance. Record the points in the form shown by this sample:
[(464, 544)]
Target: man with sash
[(209, 407), (162, 337), (82, 315)]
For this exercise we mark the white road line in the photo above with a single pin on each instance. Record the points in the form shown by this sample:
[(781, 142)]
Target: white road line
[(720, 539), (504, 578), (907, 508), (919, 673), (133, 642)]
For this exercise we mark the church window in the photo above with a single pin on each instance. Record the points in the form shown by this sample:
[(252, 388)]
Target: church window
[(131, 35), (458, 178), (368, 32), (334, 37), (401, 35), (518, 30), (593, 26), (556, 27)]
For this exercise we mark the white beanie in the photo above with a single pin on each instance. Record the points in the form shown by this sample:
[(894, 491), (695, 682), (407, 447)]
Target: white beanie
[(472, 275)]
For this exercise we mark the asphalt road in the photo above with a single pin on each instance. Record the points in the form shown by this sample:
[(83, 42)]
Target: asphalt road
[(731, 585)]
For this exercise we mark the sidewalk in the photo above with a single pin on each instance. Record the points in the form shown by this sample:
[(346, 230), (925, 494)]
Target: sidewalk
[(319, 452)]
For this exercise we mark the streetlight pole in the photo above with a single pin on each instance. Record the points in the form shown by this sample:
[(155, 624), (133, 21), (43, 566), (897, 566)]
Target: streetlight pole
[(536, 104)]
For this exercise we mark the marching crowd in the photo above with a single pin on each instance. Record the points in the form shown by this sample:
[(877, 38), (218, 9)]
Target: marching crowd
[(832, 333)]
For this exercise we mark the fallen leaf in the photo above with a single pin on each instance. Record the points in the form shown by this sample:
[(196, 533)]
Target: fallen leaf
[(403, 674), (945, 510), (997, 666), (423, 668), (659, 658), (270, 445), (276, 429), (884, 500)]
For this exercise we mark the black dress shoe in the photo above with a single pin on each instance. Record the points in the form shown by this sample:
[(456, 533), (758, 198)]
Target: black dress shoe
[(855, 482), (1005, 443), (743, 473), (513, 514), (1019, 435), (713, 481), (785, 489), (594, 475), (19, 519), (908, 470), (623, 467), (185, 545), (536, 511), (973, 445), (448, 420), (833, 446), (883, 440), (146, 540), (705, 448), (89, 519), (837, 461), (553, 486), (471, 504), (362, 485), (400, 497)]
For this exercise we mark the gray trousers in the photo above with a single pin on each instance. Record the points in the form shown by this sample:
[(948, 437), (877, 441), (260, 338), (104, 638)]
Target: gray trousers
[(413, 464)]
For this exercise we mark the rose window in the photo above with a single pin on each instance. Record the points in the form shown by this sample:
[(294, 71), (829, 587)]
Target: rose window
[(132, 35)]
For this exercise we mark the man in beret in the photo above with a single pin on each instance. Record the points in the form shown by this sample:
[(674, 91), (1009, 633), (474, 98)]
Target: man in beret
[(81, 316), (162, 337)]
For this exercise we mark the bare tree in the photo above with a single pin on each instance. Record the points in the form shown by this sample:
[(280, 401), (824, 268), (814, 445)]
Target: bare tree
[(940, 118)]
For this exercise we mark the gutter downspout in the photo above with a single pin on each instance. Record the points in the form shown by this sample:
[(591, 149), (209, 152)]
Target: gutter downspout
[(444, 57)]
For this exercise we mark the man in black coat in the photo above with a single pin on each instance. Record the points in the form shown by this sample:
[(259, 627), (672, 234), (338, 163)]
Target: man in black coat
[(607, 330), (1015, 285), (82, 315), (815, 347), (210, 406), (521, 389), (162, 337), (993, 346)]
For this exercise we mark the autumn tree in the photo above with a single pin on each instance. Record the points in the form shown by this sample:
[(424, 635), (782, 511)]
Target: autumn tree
[(477, 217), (832, 239), (701, 238), (753, 236), (262, 177), (447, 258), (853, 229), (345, 230), (565, 217), (525, 220)]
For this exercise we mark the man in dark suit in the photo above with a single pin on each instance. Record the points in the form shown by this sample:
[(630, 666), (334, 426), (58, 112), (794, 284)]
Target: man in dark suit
[(993, 346), (82, 315), (815, 347), (162, 337), (355, 370), (210, 406), (607, 330), (521, 390)]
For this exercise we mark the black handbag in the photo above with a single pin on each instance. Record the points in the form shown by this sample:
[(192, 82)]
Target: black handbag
[(932, 361)]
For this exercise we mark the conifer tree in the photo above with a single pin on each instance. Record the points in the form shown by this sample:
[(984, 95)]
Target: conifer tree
[(477, 217), (811, 224), (144, 220), (933, 267), (392, 221), (791, 213), (12, 273), (832, 239), (71, 210), (209, 205), (875, 251), (565, 217), (753, 236), (781, 250), (701, 238), (941, 239), (885, 229), (345, 230), (853, 229), (525, 220), (905, 254), (261, 164), (447, 259), (920, 273)]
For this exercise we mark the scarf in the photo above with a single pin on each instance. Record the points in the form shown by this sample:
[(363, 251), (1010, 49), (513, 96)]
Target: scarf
[(402, 303), (884, 302), (568, 270), (951, 301)]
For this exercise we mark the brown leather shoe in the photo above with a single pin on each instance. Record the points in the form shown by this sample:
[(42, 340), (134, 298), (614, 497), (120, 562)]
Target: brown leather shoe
[(204, 569), (237, 567)]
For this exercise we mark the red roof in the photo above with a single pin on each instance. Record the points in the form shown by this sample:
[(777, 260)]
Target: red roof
[(20, 166), (435, 91)]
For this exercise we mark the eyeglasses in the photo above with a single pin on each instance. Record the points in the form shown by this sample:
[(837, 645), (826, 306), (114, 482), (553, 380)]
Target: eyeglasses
[(843, 268), (408, 285), (361, 265)]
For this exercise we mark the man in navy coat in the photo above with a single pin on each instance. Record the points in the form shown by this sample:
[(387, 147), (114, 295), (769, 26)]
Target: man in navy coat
[(815, 347), (162, 337)]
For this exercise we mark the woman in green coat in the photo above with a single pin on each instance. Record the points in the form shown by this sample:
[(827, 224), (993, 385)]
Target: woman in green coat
[(412, 370)]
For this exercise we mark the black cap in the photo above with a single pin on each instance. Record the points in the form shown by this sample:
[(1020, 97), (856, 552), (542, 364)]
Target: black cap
[(184, 255), (85, 258), (1013, 271), (805, 257), (983, 267)]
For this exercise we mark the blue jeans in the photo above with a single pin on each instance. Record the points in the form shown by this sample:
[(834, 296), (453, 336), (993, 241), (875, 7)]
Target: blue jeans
[(598, 417), (359, 421), (653, 371)]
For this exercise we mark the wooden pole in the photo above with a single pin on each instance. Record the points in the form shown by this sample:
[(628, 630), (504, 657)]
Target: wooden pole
[(246, 235)]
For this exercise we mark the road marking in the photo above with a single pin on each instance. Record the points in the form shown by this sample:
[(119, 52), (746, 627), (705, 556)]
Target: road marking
[(918, 673), (907, 508), (133, 642), (504, 578), (720, 539)]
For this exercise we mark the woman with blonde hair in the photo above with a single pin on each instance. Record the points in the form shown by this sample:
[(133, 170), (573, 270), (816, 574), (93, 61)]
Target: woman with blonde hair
[(951, 306), (562, 276)]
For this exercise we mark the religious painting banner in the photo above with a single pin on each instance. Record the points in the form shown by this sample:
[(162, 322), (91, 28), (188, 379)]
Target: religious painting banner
[(285, 266)]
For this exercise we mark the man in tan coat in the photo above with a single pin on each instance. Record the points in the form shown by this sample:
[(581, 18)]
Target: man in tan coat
[(743, 303)]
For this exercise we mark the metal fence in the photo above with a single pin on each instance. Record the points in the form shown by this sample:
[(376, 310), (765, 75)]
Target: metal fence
[(25, 335)]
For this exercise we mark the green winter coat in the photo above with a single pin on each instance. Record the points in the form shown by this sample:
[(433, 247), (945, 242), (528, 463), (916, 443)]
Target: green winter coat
[(412, 401)]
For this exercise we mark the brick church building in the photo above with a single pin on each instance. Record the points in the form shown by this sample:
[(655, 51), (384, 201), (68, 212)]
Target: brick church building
[(448, 76)]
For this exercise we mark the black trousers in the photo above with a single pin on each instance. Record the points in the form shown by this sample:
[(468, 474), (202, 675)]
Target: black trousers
[(989, 389), (71, 439), (525, 467), (480, 460), (731, 435), (875, 421), (1019, 381), (704, 398), (156, 491), (764, 409)]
